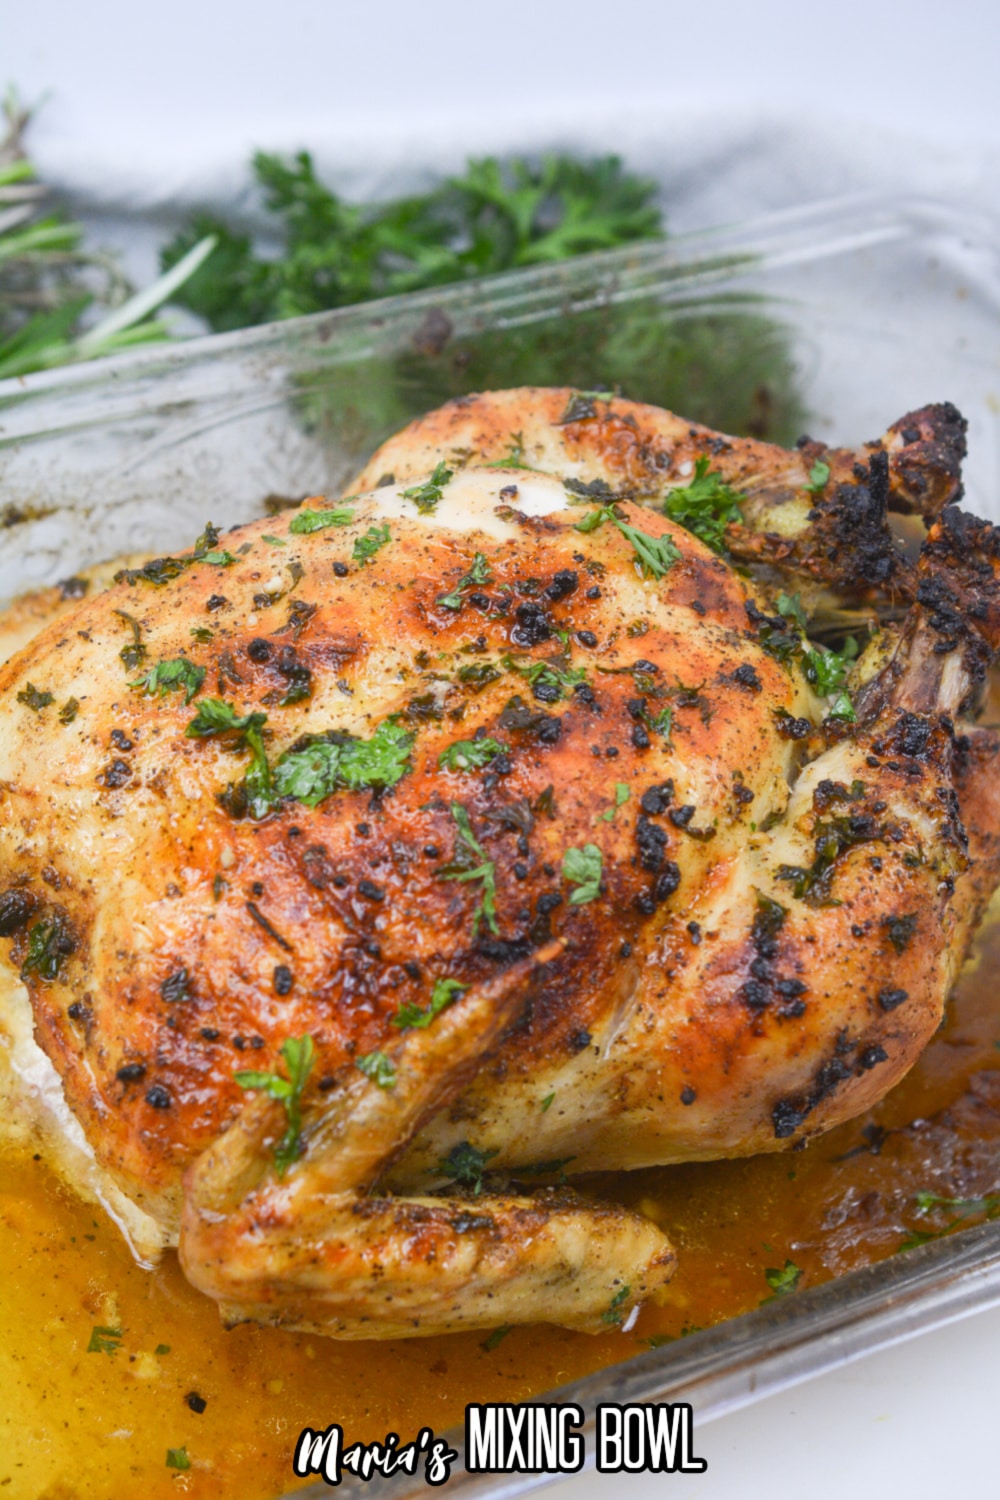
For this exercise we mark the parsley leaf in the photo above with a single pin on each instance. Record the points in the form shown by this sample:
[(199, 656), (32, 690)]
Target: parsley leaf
[(217, 559), (366, 546), (495, 1339), (655, 555), (304, 522), (463, 867), (330, 763), (513, 458), (785, 1281), (104, 1341), (549, 680), (379, 1068), (818, 476), (32, 698), (215, 716), (177, 1458), (299, 1055), (426, 496), (470, 755), (465, 1165), (615, 1310), (621, 797), (177, 675), (478, 575), (790, 606), (583, 868), (412, 1016), (706, 506), (48, 944)]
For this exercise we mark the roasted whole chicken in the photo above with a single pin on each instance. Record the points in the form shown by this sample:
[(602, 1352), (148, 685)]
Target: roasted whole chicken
[(374, 870)]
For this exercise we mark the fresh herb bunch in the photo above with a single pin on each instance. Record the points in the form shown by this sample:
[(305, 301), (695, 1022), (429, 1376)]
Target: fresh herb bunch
[(50, 284), (493, 218)]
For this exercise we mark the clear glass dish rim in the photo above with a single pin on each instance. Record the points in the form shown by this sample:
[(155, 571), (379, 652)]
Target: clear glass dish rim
[(812, 232)]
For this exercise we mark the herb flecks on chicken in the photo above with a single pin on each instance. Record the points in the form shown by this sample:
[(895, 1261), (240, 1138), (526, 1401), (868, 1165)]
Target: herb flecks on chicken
[(566, 810)]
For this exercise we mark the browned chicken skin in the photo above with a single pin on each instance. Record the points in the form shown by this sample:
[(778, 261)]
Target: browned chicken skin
[(546, 857)]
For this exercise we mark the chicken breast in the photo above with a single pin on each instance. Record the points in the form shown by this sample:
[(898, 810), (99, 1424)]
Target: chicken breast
[(367, 867)]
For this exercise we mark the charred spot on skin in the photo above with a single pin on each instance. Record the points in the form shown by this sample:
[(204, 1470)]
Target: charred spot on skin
[(217, 601), (899, 930), (282, 980), (888, 999), (688, 1094), (131, 1072), (578, 1041), (746, 677), (16, 906), (116, 775), (158, 1097)]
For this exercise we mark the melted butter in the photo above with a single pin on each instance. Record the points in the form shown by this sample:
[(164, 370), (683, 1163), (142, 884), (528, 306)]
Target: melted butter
[(76, 1423)]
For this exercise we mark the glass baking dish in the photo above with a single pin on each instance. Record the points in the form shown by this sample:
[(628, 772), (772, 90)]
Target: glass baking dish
[(838, 316)]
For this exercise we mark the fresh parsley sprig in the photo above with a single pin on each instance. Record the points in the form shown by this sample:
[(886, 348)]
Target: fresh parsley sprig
[(416, 1017), (463, 867), (426, 496), (477, 576), (471, 755), (583, 868), (215, 716), (299, 1055), (706, 506), (176, 675), (655, 555)]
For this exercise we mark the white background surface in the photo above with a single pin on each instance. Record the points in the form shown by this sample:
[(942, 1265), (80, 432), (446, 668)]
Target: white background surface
[(735, 106)]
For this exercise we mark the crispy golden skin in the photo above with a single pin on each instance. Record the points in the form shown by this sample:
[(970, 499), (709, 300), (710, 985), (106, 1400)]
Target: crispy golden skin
[(692, 1006)]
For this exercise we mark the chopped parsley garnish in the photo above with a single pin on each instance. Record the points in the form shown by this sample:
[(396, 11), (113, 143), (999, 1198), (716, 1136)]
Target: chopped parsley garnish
[(826, 670), (366, 546), (202, 633), (655, 555), (470, 755), (478, 674), (426, 496), (105, 1341), (274, 541), (790, 606), (133, 656), (161, 1349), (463, 867), (495, 1339), (48, 944), (818, 476), (583, 868), (549, 680), (706, 506), (478, 575), (160, 571), (926, 1201), (379, 1068), (69, 711), (304, 522), (330, 763), (34, 699), (615, 1311), (415, 1017), (299, 1054), (621, 797), (177, 1458), (465, 1165), (217, 559), (215, 716), (177, 675), (548, 1101), (513, 458), (784, 1281)]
